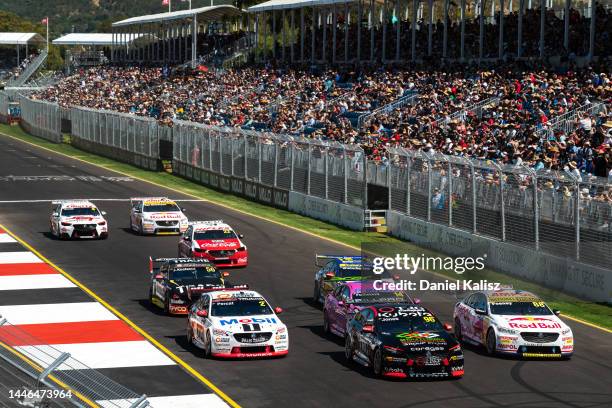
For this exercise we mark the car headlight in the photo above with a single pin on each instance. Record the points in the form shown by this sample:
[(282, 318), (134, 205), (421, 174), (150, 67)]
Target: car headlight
[(506, 331), (565, 331), (219, 332)]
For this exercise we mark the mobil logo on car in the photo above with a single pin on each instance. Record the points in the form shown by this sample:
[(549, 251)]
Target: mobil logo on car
[(248, 320), (533, 323)]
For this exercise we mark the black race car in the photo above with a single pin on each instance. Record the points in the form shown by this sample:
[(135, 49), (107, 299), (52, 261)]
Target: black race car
[(178, 282), (403, 341)]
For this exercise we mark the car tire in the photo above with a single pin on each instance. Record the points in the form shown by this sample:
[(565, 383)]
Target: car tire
[(208, 348), (189, 334), (377, 363), (316, 295), (167, 306), (151, 296), (326, 329), (491, 342), (348, 348), (458, 333)]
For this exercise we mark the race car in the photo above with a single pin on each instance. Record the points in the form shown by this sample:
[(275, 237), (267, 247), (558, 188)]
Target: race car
[(235, 323), (350, 297), (77, 219), (336, 269), (512, 322), (156, 215), (215, 241), (177, 282), (403, 341)]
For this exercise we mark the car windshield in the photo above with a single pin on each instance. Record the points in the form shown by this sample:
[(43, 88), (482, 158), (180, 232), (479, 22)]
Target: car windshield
[(379, 296), (195, 273), (87, 211), (165, 207), (214, 234), (520, 308), (240, 307)]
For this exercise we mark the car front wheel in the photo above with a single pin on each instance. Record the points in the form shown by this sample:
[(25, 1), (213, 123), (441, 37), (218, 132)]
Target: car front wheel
[(377, 363), (316, 293), (348, 348), (458, 334), (491, 342)]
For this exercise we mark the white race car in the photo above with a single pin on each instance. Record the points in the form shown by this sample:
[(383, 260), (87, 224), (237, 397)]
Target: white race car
[(513, 322), (236, 323), (77, 219), (156, 215)]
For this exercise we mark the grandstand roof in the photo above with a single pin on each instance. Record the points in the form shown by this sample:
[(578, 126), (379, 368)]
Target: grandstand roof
[(102, 39), (211, 13), (20, 38), (290, 4)]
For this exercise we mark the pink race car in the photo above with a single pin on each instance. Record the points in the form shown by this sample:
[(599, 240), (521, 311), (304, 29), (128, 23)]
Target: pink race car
[(350, 297)]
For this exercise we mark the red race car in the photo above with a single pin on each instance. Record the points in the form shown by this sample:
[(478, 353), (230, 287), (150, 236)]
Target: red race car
[(215, 241)]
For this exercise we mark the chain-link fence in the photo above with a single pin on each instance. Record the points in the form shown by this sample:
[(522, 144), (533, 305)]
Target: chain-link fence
[(51, 368), (326, 170), (41, 119), (130, 138), (549, 211)]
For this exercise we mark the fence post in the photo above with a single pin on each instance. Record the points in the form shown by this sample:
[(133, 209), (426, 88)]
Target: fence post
[(389, 181), (474, 200), (450, 194), (220, 154), (275, 163), (292, 166), (345, 201), (233, 145), (210, 155), (259, 150), (308, 173), (409, 185), (502, 205), (577, 189), (55, 364), (326, 164), (365, 180), (246, 161), (536, 213), (429, 164)]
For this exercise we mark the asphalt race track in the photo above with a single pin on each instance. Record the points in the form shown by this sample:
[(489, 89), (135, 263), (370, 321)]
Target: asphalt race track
[(315, 374)]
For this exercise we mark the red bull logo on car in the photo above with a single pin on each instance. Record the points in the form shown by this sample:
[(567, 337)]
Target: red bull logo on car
[(533, 323), (247, 320)]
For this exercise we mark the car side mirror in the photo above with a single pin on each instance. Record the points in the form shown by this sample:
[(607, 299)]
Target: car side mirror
[(447, 327), (159, 276), (186, 237), (416, 301), (480, 311), (202, 313), (103, 212), (137, 211), (396, 277), (55, 214), (225, 274), (278, 310), (340, 303), (330, 275), (240, 236), (368, 328), (183, 209), (557, 312)]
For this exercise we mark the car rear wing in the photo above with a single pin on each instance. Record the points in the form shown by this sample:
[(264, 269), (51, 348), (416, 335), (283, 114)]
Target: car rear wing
[(321, 260), (156, 263)]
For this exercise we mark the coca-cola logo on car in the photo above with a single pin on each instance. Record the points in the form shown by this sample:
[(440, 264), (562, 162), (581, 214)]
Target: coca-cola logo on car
[(219, 244)]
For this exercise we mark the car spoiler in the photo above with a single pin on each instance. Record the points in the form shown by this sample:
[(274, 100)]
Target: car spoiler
[(155, 263), (321, 260)]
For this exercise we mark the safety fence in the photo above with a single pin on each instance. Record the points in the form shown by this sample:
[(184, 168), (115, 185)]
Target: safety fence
[(41, 118), (234, 159), (65, 378), (570, 121), (409, 99), (128, 138), (4, 107), (548, 211)]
